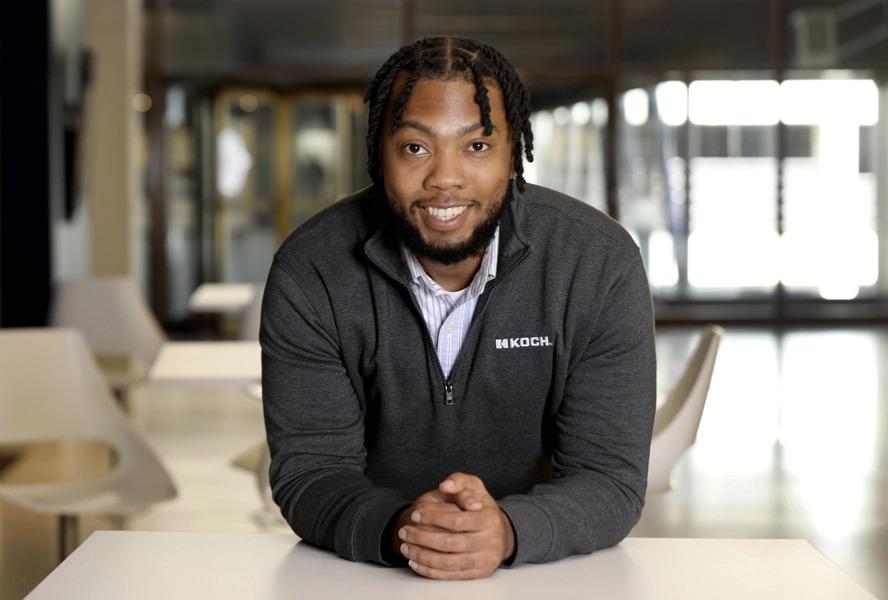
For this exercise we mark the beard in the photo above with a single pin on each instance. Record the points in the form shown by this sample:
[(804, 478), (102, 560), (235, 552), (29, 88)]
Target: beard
[(450, 254)]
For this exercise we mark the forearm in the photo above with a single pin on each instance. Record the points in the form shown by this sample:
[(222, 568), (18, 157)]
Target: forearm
[(340, 511), (573, 515), (315, 428), (602, 434)]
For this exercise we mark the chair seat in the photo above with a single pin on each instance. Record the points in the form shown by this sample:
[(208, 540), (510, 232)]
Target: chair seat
[(51, 390)]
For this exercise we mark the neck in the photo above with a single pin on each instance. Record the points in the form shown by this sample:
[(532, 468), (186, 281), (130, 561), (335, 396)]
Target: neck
[(453, 277)]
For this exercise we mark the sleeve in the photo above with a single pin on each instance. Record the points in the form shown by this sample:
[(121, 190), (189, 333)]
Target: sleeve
[(601, 437), (315, 428)]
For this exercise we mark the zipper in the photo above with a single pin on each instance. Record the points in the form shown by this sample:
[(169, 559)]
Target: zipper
[(448, 380), (448, 384)]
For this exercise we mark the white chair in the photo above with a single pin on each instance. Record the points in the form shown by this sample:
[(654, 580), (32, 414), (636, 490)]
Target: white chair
[(677, 420), (252, 317), (257, 460), (51, 390), (118, 325)]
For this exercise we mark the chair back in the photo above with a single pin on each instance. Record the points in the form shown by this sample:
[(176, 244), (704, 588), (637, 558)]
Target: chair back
[(677, 420), (252, 317), (51, 389), (112, 316)]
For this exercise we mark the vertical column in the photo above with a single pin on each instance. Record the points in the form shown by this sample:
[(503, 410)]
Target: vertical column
[(611, 157), (779, 61), (881, 162), (25, 177), (113, 138)]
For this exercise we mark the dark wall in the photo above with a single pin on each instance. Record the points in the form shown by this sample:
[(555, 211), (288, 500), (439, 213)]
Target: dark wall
[(25, 269)]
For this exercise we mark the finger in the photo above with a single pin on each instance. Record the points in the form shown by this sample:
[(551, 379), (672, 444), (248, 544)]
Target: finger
[(433, 496), (468, 500), (430, 507), (441, 540), (442, 561), (461, 521), (458, 482), (433, 573), (468, 491)]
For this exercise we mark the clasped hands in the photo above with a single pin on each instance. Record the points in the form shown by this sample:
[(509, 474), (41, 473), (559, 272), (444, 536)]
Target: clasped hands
[(456, 531)]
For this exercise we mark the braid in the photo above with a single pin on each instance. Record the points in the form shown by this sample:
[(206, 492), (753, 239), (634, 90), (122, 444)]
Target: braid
[(446, 58), (401, 102), (376, 96), (481, 97), (517, 104)]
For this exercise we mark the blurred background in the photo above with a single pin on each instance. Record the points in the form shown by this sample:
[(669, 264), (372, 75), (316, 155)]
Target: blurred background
[(743, 144)]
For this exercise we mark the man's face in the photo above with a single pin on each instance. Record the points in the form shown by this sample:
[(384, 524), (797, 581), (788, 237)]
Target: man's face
[(445, 180)]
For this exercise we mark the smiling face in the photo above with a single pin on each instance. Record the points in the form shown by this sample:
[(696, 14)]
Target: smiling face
[(445, 180)]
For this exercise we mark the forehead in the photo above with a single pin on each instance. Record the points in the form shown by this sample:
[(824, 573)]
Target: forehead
[(450, 99)]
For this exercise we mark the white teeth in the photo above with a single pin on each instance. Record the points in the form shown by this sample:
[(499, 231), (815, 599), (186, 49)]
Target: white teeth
[(446, 214)]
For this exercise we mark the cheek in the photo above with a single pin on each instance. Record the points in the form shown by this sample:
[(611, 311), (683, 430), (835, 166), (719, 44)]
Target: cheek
[(400, 182), (493, 179)]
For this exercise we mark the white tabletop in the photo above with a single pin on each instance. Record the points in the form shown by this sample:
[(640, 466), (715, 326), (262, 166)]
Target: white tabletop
[(208, 362), (221, 297), (137, 565)]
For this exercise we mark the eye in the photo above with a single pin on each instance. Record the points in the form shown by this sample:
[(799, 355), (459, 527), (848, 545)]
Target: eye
[(414, 149), (479, 146)]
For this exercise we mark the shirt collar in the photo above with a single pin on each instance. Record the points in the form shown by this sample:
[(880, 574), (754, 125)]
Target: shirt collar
[(486, 272)]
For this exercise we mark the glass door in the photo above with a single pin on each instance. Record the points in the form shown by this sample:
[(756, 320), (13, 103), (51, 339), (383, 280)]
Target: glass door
[(245, 132), (280, 158)]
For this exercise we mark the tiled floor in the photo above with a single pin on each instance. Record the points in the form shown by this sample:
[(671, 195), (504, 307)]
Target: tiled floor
[(792, 444)]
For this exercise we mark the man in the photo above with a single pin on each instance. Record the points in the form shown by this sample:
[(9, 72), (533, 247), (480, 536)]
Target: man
[(458, 367)]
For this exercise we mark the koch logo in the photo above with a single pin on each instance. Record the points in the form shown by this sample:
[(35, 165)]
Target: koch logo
[(522, 342)]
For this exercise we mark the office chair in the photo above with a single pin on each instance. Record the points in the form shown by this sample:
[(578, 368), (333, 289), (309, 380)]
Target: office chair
[(677, 420)]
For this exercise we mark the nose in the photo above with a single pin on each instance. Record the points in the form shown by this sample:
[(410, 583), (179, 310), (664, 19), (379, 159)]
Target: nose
[(446, 172)]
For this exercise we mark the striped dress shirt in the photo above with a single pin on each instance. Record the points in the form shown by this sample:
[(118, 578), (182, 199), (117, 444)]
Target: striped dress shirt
[(449, 314)]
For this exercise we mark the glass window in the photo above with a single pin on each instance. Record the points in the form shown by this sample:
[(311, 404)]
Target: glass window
[(830, 244)]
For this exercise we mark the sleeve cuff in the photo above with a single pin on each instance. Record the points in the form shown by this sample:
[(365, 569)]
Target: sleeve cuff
[(362, 541), (533, 529)]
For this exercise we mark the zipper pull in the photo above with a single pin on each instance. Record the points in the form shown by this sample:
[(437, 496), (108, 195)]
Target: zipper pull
[(448, 394)]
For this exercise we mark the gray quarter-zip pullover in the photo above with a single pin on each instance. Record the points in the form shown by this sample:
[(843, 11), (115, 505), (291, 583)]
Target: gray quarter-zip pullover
[(550, 401)]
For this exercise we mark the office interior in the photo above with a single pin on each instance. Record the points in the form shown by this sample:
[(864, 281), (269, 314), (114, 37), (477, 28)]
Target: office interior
[(742, 143)]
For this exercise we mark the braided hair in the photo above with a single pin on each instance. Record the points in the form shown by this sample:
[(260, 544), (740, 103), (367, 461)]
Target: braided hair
[(448, 58)]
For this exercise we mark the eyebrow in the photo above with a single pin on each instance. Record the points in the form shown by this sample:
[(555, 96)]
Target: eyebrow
[(419, 126)]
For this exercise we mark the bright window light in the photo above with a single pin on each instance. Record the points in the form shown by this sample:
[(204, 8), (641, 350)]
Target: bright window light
[(581, 113), (672, 102), (234, 162), (662, 270), (635, 106), (734, 239), (820, 101), (751, 102), (562, 115), (742, 259), (599, 112), (543, 126)]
